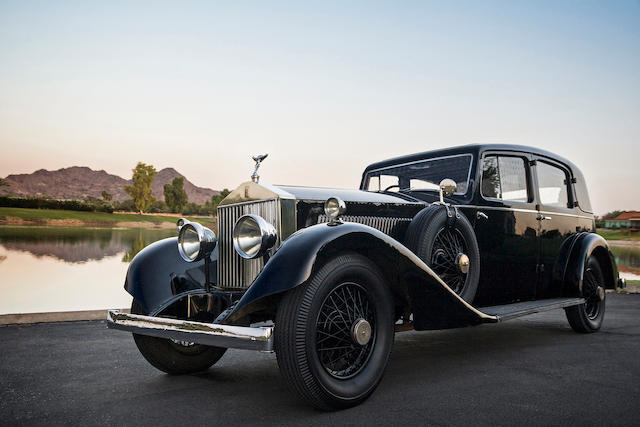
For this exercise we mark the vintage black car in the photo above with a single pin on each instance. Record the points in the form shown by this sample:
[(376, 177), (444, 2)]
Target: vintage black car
[(325, 277)]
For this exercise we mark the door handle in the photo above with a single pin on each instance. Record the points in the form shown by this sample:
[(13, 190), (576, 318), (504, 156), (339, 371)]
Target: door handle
[(481, 215), (543, 218)]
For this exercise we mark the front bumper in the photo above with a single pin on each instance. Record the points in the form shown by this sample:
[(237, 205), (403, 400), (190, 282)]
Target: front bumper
[(228, 336)]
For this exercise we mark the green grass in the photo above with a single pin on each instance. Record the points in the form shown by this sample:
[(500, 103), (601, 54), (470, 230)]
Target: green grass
[(42, 215), (633, 282), (618, 235)]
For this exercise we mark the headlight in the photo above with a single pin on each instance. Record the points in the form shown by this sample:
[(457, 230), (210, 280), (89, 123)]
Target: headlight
[(334, 207), (253, 236), (181, 222), (195, 241)]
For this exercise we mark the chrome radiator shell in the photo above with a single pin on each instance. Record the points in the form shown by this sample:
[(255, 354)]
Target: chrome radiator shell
[(235, 272)]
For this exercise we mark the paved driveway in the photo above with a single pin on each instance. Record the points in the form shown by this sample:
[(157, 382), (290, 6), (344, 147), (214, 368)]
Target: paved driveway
[(534, 370)]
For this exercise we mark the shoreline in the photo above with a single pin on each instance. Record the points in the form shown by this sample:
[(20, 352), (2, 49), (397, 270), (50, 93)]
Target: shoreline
[(66, 218), (14, 221)]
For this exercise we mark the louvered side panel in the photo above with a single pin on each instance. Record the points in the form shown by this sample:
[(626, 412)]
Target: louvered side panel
[(393, 227)]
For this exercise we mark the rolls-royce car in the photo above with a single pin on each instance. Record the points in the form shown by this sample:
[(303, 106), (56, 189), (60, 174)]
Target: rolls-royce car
[(325, 277)]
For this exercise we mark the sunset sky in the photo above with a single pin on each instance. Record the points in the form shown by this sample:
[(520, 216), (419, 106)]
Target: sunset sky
[(324, 88)]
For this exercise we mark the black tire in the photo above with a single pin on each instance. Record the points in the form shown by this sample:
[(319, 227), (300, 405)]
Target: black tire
[(173, 357), (438, 240), (588, 317), (310, 323)]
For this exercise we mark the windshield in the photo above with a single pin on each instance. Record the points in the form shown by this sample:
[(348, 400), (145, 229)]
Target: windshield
[(422, 175)]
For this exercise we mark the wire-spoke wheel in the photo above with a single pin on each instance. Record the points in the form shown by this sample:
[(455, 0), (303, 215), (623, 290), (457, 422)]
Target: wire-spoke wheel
[(448, 249), (588, 317), (345, 330), (333, 334), (448, 245)]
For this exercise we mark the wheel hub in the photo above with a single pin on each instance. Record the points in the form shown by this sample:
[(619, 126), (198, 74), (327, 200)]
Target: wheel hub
[(361, 331), (600, 292), (462, 261)]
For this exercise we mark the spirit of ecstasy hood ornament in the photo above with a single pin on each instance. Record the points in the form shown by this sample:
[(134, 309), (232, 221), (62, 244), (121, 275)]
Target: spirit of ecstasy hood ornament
[(258, 159)]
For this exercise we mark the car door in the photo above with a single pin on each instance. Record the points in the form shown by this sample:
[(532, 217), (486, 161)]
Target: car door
[(507, 229), (557, 216)]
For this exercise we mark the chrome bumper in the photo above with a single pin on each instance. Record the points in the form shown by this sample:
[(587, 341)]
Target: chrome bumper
[(249, 338)]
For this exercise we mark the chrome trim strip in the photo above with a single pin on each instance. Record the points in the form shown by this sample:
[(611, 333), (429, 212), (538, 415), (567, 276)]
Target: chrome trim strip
[(426, 160), (228, 336), (501, 208)]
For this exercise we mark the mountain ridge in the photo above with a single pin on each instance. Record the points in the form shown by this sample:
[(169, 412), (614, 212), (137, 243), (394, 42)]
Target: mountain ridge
[(79, 182)]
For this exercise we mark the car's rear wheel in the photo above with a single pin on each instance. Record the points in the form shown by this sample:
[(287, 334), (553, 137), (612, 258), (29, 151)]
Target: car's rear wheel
[(333, 335), (588, 317), (174, 357), (448, 245)]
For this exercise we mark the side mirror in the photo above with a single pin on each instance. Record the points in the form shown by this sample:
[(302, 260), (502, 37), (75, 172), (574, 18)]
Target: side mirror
[(447, 188)]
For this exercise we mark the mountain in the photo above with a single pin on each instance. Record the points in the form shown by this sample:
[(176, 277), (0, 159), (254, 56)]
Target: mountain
[(79, 182)]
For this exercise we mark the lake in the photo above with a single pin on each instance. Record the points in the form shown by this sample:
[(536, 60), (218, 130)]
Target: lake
[(49, 269)]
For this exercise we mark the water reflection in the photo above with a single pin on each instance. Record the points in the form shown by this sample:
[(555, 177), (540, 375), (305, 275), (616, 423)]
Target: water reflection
[(48, 269), (628, 260), (79, 245)]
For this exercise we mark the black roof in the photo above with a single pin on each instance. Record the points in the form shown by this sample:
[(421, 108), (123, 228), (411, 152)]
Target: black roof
[(475, 149)]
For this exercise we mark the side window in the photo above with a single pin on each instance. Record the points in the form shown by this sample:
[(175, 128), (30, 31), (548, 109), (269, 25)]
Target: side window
[(382, 182), (504, 178), (552, 185)]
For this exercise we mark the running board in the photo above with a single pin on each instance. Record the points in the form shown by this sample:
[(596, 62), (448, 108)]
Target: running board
[(519, 309)]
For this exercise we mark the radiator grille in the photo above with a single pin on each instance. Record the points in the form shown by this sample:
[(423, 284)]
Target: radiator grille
[(233, 270), (394, 227)]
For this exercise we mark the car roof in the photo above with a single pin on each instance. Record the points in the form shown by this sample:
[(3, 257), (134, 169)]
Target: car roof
[(474, 149)]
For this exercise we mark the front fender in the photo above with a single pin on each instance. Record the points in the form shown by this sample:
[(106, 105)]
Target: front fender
[(433, 304), (158, 273), (586, 245)]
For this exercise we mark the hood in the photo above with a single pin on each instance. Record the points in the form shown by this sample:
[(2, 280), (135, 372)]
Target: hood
[(252, 191)]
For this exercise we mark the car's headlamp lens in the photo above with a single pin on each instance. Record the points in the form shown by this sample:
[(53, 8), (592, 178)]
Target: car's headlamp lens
[(334, 207), (195, 241), (253, 236)]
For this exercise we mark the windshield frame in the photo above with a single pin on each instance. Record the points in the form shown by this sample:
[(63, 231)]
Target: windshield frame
[(426, 159)]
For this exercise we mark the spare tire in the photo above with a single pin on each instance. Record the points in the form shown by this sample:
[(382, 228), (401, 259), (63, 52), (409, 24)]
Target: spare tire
[(443, 238)]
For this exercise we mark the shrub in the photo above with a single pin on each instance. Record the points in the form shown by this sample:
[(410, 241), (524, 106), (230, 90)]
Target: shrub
[(90, 205)]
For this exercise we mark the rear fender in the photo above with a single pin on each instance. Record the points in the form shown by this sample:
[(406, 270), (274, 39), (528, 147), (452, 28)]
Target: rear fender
[(584, 246), (433, 304)]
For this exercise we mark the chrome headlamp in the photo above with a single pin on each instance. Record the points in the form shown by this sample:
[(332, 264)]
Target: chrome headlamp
[(195, 241), (253, 236), (334, 207)]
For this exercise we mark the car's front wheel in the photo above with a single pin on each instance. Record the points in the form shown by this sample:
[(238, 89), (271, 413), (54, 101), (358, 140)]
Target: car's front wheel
[(333, 335), (588, 317), (175, 357)]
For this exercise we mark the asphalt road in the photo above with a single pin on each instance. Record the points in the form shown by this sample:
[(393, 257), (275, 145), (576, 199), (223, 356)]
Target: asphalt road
[(530, 371)]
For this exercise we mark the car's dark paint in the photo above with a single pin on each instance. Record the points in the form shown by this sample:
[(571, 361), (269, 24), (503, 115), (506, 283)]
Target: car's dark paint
[(158, 273), (412, 282)]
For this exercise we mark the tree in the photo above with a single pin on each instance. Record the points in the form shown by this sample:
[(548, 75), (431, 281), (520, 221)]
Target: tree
[(174, 195), (140, 191), (611, 215), (106, 196), (216, 199)]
